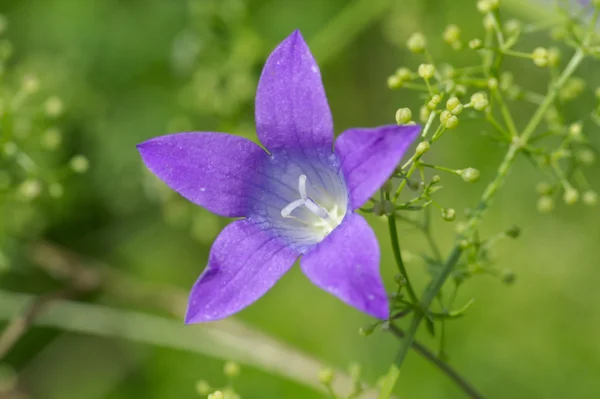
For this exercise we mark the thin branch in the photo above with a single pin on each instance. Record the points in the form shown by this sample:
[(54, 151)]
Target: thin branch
[(442, 365)]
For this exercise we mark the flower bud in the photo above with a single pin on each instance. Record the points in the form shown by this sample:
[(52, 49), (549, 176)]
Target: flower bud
[(571, 196), (485, 6), (545, 204), (433, 103), (488, 22), (403, 116), (404, 74), (231, 369), (216, 395), (426, 71), (540, 57), (492, 83), (590, 198), (416, 43), (452, 34), (475, 44), (79, 164), (479, 101), (436, 179), (394, 82), (448, 214), (470, 175), (422, 148), (553, 56), (454, 105), (203, 388), (326, 376)]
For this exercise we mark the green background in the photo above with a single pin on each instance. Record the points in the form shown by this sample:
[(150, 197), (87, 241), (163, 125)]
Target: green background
[(112, 62)]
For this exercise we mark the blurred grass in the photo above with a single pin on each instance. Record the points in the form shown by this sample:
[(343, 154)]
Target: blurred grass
[(110, 61)]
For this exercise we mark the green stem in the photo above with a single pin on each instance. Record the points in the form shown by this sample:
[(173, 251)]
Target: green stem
[(398, 257)]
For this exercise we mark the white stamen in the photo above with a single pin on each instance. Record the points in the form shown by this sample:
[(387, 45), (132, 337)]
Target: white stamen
[(289, 208), (302, 187)]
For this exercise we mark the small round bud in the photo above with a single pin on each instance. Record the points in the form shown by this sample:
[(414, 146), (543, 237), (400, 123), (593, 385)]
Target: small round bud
[(575, 131), (485, 6), (543, 188), (570, 196), (452, 34), (30, 84), (403, 116), (424, 113), (53, 107), (492, 83), (479, 101), (470, 175), (509, 277), (433, 103), (451, 122), (216, 395), (203, 388), (513, 231), (30, 189), (448, 214), (454, 105), (326, 376), (56, 190), (231, 369), (464, 244), (10, 149), (460, 90), (416, 43), (540, 57), (586, 156), (436, 179), (426, 71), (422, 148), (394, 82), (512, 27), (404, 74), (488, 22), (475, 44), (79, 164), (51, 139), (590, 198)]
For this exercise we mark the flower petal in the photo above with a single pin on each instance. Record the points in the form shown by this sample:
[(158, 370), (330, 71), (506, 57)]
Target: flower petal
[(215, 170), (244, 263), (346, 264), (291, 107), (369, 157)]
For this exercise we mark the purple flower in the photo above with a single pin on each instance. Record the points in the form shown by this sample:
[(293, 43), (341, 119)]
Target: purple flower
[(297, 199)]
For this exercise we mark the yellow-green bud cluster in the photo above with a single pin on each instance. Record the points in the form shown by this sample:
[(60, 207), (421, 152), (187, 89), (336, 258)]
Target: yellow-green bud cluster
[(426, 71), (570, 196), (403, 116), (540, 57), (231, 369), (475, 44), (448, 214), (448, 120), (545, 204), (401, 76), (479, 101), (454, 105), (422, 148), (590, 198), (452, 36), (326, 376)]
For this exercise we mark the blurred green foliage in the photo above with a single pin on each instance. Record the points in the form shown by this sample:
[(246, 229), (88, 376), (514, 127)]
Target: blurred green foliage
[(128, 70)]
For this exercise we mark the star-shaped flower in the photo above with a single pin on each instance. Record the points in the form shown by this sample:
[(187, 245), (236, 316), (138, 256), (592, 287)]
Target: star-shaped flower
[(296, 200)]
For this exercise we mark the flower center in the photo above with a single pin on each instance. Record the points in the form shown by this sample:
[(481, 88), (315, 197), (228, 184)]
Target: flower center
[(324, 214)]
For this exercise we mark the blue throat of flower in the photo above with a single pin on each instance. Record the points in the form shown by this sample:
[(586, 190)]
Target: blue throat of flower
[(325, 214)]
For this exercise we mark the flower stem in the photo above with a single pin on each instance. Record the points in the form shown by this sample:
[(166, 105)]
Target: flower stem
[(422, 350), (398, 257)]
